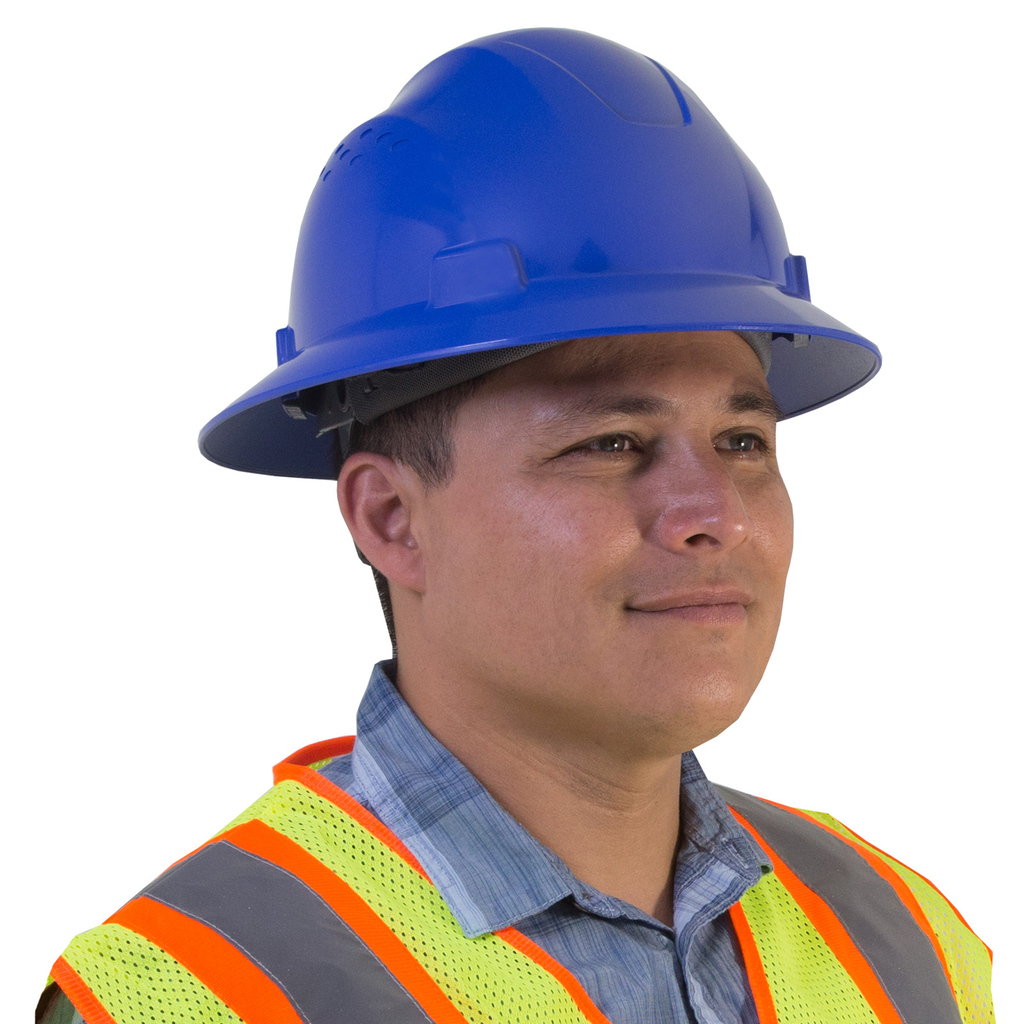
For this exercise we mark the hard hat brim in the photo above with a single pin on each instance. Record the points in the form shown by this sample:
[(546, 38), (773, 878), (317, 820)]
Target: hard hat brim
[(829, 360)]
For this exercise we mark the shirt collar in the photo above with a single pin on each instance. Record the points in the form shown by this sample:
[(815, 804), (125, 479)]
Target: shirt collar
[(488, 869)]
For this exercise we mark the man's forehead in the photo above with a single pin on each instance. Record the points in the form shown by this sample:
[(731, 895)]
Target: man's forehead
[(593, 374), (632, 354)]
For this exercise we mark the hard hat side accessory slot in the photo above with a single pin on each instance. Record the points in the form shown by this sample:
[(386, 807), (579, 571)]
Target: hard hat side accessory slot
[(795, 268)]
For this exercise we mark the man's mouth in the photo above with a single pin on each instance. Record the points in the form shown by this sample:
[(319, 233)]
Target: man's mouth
[(714, 606)]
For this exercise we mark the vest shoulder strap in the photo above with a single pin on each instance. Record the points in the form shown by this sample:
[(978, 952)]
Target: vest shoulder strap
[(885, 944), (305, 904)]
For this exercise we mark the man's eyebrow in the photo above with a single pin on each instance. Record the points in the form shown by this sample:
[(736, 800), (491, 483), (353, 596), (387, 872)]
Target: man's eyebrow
[(754, 400), (598, 406)]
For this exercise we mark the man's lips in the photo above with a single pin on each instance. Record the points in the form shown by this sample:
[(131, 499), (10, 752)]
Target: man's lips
[(713, 607), (693, 599)]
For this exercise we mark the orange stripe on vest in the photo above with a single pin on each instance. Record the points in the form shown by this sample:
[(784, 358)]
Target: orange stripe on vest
[(901, 888), (759, 986), (223, 968), (293, 770), (260, 839), (831, 930), (79, 993)]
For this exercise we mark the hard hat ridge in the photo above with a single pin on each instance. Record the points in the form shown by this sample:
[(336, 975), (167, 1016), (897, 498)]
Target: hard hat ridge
[(527, 188)]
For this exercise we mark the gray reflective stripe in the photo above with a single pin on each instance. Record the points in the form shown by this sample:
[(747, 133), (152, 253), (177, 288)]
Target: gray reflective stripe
[(290, 933), (901, 955)]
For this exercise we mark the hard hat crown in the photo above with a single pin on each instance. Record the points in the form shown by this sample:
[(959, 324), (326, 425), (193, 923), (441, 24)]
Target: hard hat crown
[(531, 187)]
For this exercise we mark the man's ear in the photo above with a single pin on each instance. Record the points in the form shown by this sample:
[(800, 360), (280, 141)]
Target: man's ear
[(378, 498)]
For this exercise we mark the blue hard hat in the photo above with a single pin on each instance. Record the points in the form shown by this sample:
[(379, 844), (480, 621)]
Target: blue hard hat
[(526, 188)]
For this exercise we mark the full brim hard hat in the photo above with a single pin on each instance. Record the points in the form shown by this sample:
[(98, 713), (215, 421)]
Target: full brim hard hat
[(531, 188)]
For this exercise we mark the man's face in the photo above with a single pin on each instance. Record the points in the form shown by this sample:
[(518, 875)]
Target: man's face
[(608, 561)]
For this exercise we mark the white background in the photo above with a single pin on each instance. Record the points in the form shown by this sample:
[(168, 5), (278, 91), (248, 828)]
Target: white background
[(171, 628)]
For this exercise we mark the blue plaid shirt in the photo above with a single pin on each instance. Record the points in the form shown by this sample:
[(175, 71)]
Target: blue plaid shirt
[(493, 874)]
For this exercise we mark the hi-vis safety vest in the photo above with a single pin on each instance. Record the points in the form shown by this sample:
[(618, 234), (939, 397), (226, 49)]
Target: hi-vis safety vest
[(308, 910)]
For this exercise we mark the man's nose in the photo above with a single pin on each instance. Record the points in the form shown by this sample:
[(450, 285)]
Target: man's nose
[(698, 505)]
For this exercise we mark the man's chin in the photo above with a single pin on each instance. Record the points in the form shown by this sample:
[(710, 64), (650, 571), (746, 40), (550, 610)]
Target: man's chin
[(656, 729)]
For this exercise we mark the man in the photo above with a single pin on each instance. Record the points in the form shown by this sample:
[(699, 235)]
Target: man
[(544, 322)]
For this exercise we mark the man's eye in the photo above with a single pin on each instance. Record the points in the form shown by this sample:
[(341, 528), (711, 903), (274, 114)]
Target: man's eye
[(744, 443), (613, 443)]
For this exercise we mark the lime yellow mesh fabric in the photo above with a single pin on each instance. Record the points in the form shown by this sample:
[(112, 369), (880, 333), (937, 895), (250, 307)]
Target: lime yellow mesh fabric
[(966, 956), (138, 983), (488, 980), (807, 982)]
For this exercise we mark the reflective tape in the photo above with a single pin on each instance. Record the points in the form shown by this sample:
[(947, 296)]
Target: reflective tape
[(290, 933), (902, 957)]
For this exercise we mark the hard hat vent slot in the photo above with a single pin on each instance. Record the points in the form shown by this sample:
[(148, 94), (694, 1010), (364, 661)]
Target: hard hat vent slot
[(346, 150)]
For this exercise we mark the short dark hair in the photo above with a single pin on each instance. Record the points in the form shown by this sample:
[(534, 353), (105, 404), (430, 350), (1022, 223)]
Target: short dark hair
[(419, 434)]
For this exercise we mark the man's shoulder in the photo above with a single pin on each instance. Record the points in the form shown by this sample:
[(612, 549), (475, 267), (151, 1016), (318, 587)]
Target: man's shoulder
[(205, 881), (797, 837), (242, 928)]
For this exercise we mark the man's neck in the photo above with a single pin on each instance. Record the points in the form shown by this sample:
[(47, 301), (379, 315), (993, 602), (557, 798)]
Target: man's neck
[(612, 818)]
